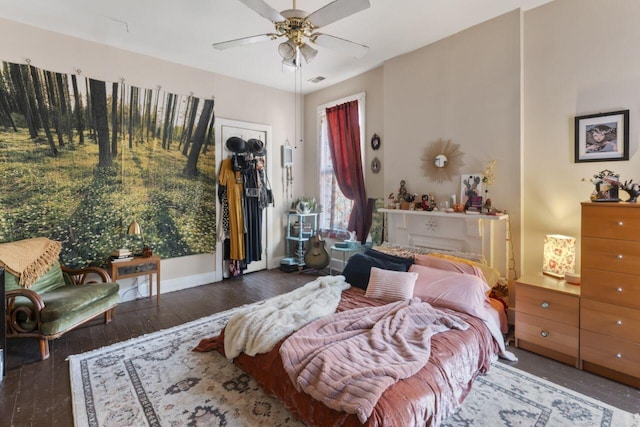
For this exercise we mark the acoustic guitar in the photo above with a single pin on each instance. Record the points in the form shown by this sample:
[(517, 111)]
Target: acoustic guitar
[(316, 255)]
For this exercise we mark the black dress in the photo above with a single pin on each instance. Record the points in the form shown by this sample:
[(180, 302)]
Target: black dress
[(253, 213)]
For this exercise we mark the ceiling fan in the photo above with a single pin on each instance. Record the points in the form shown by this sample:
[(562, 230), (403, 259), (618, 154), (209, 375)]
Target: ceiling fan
[(298, 27)]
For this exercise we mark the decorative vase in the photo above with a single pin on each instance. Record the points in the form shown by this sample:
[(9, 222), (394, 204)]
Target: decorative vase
[(304, 207), (405, 206)]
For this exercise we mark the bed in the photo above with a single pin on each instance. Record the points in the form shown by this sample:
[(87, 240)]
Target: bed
[(433, 392)]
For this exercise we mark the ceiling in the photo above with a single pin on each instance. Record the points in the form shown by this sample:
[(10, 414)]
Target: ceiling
[(183, 31)]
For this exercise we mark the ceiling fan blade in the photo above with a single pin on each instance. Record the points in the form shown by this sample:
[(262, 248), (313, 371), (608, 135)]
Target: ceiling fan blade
[(336, 43), (263, 9), (244, 41), (335, 11)]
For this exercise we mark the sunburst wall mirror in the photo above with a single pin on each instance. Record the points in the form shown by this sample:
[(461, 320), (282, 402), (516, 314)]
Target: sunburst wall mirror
[(442, 160)]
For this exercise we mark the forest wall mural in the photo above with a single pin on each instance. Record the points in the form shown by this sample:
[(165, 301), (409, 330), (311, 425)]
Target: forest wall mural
[(80, 159)]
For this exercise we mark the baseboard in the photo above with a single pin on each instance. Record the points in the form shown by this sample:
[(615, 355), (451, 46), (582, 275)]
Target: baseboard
[(127, 286), (178, 284)]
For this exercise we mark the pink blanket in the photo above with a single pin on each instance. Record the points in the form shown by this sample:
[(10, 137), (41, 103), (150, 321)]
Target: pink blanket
[(348, 359)]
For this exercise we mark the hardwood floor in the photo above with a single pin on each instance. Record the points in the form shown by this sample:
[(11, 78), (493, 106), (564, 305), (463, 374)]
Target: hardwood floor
[(36, 393)]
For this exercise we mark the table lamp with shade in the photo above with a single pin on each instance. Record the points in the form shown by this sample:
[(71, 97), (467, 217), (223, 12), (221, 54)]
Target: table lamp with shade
[(135, 229), (559, 257)]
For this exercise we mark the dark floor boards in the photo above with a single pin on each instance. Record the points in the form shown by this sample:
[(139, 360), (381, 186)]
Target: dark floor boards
[(36, 393)]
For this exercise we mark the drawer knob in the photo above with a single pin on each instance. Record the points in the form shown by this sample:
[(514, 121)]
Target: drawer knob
[(544, 334), (620, 223), (619, 290), (619, 356), (619, 256), (619, 322), (544, 305)]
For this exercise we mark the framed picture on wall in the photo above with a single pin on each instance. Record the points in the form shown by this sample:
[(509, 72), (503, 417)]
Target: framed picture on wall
[(602, 137), (471, 189)]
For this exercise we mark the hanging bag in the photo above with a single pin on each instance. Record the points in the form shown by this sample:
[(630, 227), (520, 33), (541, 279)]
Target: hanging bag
[(269, 201)]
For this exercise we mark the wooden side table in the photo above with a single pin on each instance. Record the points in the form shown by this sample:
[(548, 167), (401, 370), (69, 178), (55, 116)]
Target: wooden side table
[(547, 317), (139, 266)]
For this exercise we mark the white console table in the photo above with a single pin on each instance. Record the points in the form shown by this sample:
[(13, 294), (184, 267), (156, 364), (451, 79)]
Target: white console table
[(481, 234)]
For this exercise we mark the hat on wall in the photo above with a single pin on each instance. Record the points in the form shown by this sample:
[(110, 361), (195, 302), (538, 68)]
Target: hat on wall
[(236, 145), (257, 147)]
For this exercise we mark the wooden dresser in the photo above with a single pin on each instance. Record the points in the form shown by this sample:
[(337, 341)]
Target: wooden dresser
[(610, 302), (547, 317)]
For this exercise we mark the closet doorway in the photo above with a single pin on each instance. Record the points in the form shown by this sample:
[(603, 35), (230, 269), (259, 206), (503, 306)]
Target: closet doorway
[(225, 129)]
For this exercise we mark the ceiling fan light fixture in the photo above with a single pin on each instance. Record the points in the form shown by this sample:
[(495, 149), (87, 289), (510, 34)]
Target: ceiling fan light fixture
[(298, 26), (308, 53), (289, 64), (287, 50)]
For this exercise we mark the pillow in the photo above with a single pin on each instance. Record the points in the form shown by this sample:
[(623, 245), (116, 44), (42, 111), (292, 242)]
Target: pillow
[(358, 269), (491, 275), (448, 265), (395, 251), (391, 285), (49, 281), (389, 258), (461, 292), (405, 250)]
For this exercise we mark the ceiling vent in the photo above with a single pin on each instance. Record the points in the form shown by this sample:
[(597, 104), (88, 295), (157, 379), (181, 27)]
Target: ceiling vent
[(317, 79)]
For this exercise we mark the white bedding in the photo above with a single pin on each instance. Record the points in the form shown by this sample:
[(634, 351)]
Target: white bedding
[(257, 329)]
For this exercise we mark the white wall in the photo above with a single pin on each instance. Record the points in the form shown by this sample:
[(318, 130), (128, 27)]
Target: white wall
[(234, 99), (580, 57), (465, 88)]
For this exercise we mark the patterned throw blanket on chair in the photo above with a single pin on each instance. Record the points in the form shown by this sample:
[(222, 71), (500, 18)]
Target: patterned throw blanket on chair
[(30, 258), (347, 360)]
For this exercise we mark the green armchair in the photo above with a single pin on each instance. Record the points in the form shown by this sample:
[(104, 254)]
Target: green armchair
[(57, 302)]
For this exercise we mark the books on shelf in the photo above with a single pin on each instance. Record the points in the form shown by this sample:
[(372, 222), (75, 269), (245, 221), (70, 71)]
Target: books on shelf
[(121, 259), (118, 253)]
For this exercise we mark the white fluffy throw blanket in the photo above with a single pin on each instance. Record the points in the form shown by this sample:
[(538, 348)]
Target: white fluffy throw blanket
[(258, 329)]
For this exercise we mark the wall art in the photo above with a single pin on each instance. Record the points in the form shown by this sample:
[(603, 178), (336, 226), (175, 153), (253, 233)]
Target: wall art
[(602, 137), (82, 158)]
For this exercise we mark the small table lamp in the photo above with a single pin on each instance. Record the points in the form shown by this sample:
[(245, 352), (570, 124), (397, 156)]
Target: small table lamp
[(559, 255), (134, 228)]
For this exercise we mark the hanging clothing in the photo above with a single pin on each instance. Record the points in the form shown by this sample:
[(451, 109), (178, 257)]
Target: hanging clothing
[(253, 213), (223, 228), (234, 183)]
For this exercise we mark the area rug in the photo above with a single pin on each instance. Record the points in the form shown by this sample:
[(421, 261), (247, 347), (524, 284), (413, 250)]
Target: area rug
[(157, 380)]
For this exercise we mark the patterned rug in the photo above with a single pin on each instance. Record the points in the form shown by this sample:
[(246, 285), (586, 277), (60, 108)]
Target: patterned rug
[(157, 380)]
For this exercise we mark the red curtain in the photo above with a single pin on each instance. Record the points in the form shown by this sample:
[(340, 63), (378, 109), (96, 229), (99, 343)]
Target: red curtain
[(346, 156)]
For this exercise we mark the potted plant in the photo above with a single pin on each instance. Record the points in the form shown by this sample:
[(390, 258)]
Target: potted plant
[(304, 205)]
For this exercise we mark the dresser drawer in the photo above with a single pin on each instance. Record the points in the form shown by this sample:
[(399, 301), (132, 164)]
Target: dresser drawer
[(620, 322), (622, 256), (547, 333), (554, 306), (609, 352), (611, 222), (614, 288)]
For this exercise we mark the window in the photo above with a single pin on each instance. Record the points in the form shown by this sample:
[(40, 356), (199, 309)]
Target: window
[(336, 208)]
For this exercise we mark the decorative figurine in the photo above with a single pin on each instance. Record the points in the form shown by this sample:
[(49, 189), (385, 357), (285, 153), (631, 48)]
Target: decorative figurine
[(402, 191), (633, 188), (607, 183), (426, 206)]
